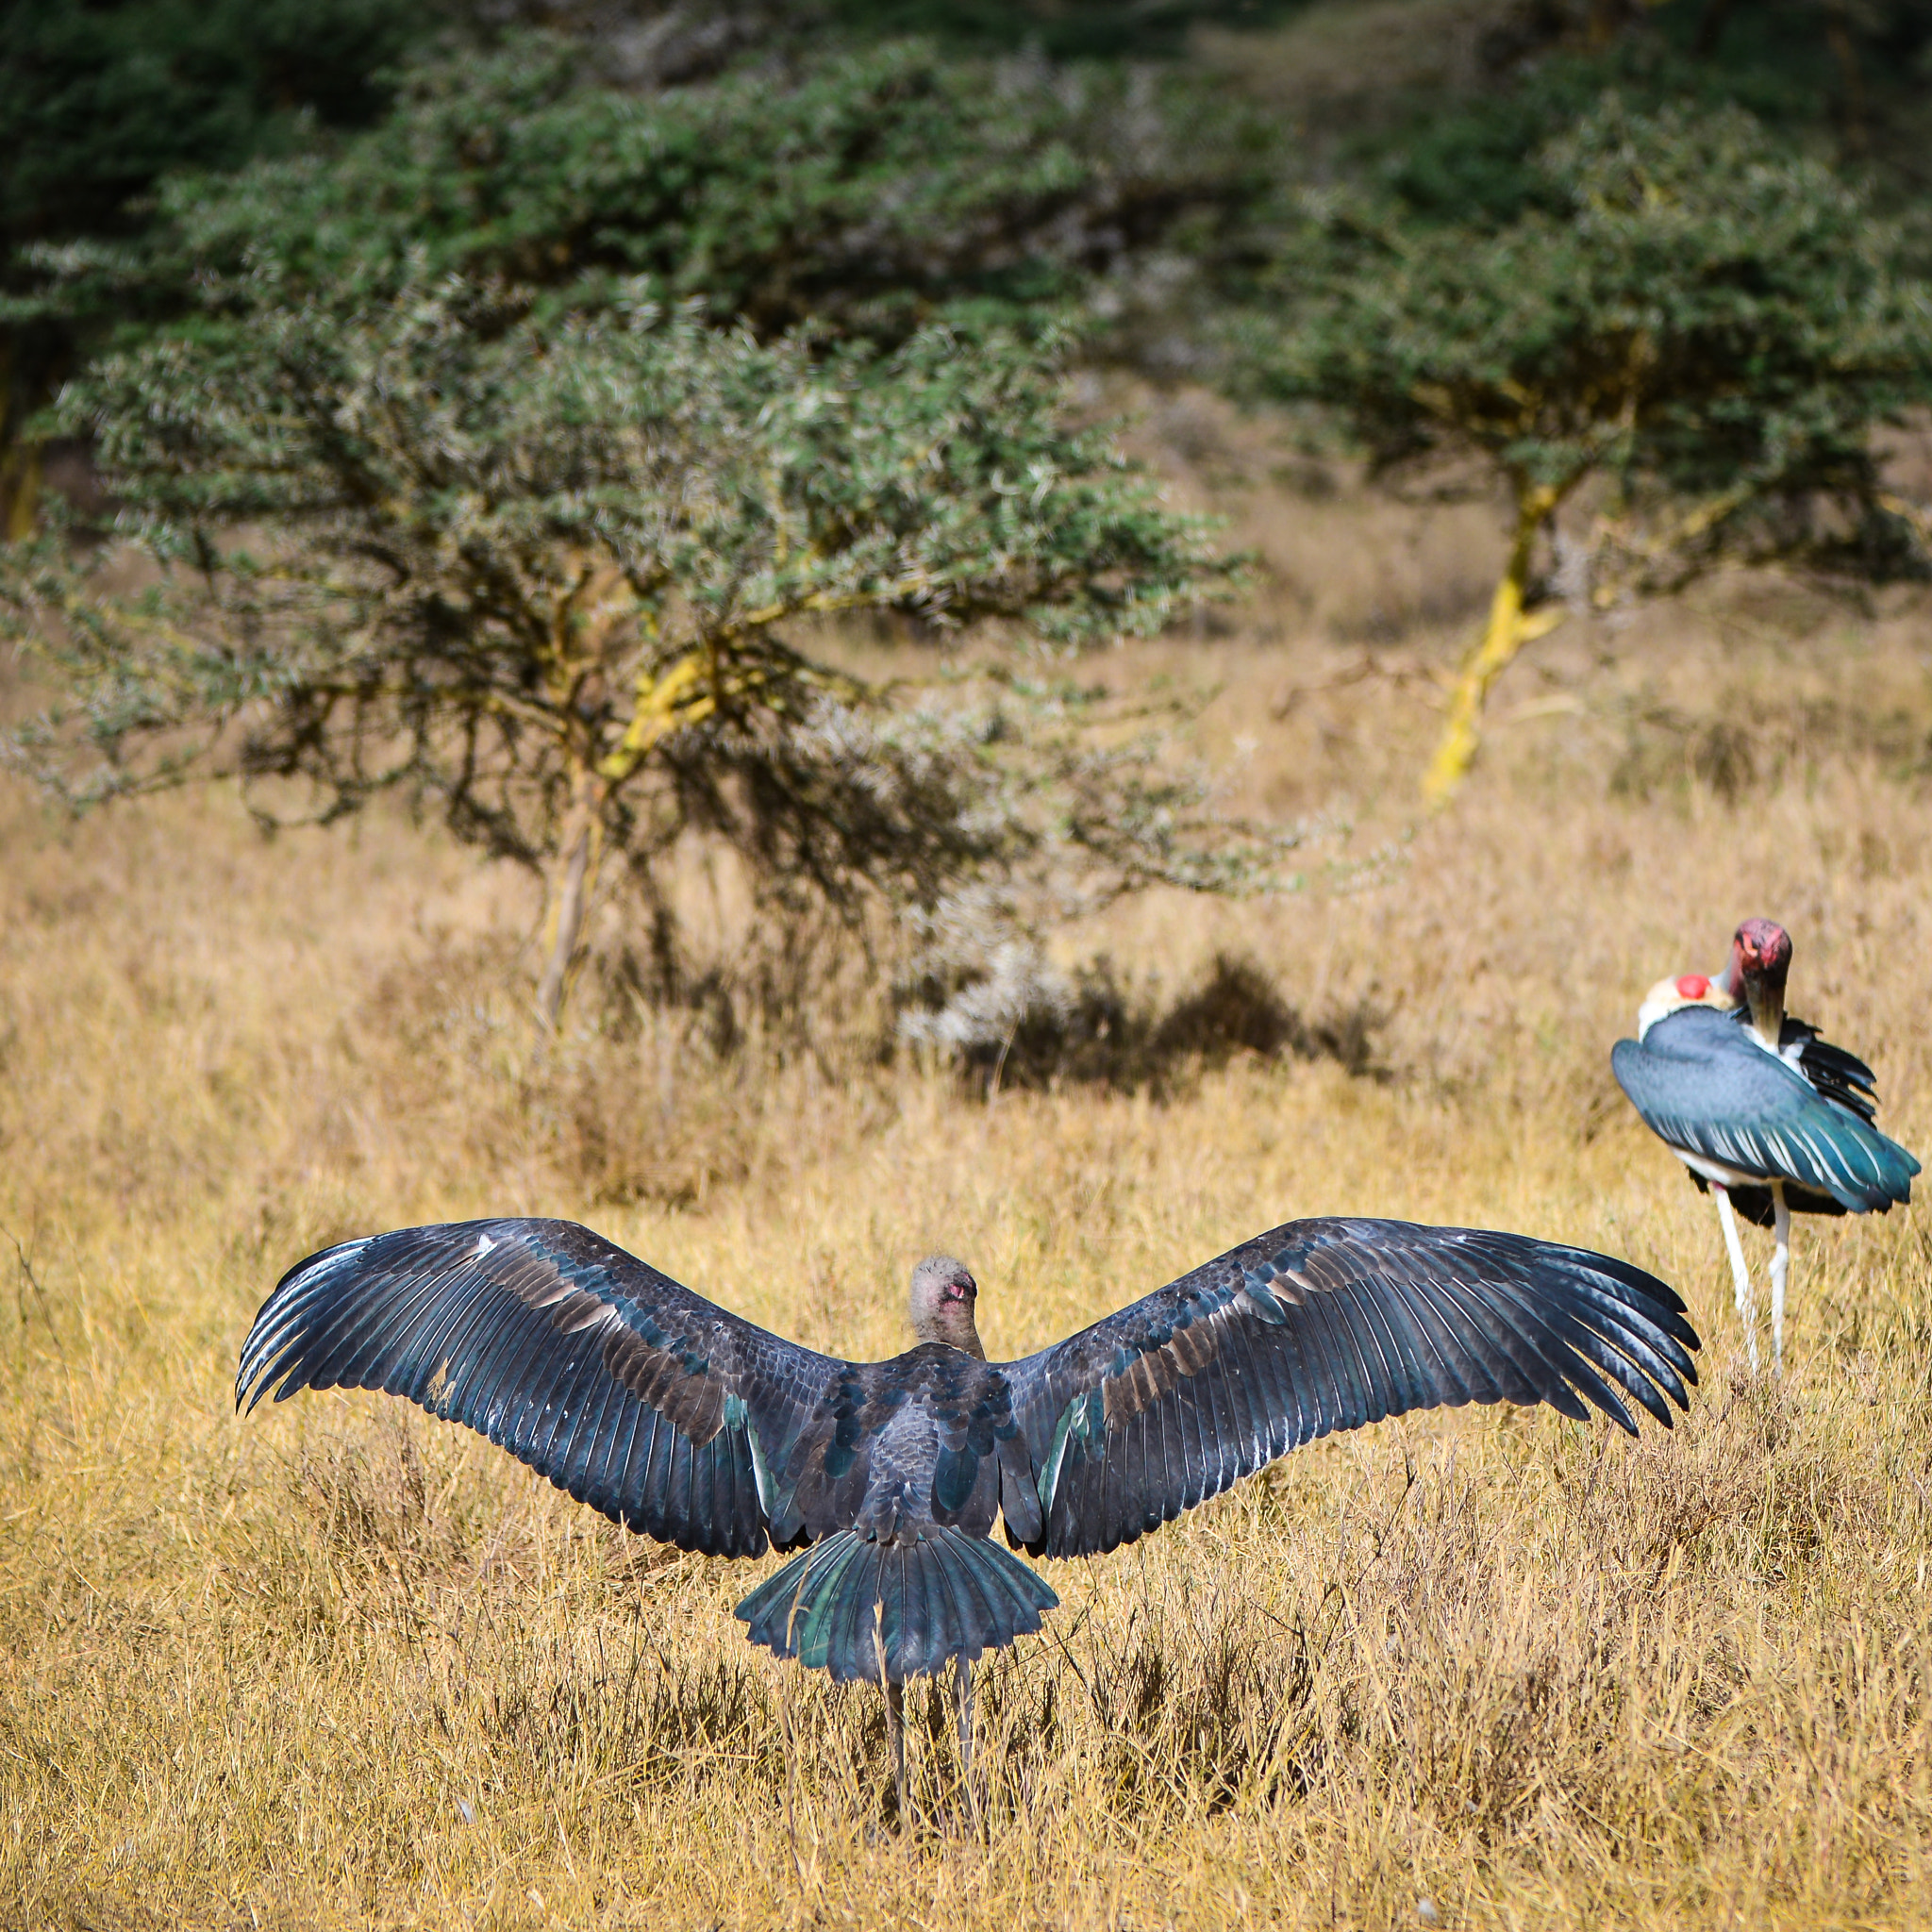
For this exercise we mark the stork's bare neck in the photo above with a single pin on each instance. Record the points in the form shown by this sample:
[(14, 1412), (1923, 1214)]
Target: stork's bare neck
[(1761, 962), (943, 1293)]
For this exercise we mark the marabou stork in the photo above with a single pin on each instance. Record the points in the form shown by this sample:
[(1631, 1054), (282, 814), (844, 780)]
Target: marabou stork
[(684, 1421), (1763, 1112)]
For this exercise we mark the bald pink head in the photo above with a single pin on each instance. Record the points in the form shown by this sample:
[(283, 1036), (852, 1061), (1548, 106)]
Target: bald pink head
[(1760, 960), (1761, 949), (943, 1293)]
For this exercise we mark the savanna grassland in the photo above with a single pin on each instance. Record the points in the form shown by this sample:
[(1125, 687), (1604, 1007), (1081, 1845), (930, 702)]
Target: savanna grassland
[(339, 1664)]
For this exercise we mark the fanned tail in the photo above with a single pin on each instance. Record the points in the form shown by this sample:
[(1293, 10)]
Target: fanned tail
[(940, 1595)]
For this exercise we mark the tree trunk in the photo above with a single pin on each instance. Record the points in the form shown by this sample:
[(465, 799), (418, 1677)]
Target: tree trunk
[(1837, 35), (1710, 28), (20, 490), (1605, 19), (1506, 632), (20, 460), (575, 873)]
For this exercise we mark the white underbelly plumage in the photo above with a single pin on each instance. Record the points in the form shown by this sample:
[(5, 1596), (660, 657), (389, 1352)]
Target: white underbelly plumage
[(1715, 1170)]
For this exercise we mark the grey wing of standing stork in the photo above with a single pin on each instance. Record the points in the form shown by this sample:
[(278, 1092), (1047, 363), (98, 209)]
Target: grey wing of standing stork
[(686, 1423), (1760, 1109)]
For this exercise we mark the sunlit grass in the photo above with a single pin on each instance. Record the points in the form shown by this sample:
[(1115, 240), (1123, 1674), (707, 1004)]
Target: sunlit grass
[(341, 1664)]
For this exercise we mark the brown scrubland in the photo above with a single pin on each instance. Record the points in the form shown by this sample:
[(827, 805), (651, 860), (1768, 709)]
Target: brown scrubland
[(339, 1664)]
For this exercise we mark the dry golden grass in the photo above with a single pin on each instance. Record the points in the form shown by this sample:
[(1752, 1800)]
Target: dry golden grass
[(341, 1665)]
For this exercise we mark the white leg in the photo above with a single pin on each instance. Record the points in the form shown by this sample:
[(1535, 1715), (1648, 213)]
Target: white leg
[(1780, 1268), (1740, 1274)]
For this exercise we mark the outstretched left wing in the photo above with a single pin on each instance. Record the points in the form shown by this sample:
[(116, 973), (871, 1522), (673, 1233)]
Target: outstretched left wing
[(1323, 1326), (670, 1414)]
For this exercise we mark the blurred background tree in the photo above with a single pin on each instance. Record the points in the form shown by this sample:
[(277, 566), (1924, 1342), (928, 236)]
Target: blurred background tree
[(445, 502), (1679, 306), (101, 99), (538, 570), (506, 411)]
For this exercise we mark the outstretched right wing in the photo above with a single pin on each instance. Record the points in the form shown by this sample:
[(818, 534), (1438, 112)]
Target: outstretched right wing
[(665, 1412), (1315, 1326)]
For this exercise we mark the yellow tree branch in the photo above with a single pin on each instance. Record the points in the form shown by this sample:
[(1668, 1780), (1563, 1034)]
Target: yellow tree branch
[(666, 702), (694, 687), (1508, 630)]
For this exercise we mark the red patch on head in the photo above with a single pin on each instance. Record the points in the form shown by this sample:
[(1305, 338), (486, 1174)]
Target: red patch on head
[(1693, 986), (1764, 944)]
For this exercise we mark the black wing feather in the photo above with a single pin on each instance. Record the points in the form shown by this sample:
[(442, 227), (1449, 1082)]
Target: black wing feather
[(1322, 1325), (1414, 1383), (619, 1385), (1840, 1076), (1328, 1372), (603, 1417), (1457, 1368), (605, 1492), (1353, 1408)]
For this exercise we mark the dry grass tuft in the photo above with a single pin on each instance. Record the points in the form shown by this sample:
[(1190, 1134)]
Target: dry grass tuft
[(341, 1665)]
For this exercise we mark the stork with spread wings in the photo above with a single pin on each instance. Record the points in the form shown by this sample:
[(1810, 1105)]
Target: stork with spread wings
[(684, 1421)]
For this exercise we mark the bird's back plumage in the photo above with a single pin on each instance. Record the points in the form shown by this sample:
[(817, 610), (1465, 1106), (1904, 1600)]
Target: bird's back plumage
[(1705, 1086)]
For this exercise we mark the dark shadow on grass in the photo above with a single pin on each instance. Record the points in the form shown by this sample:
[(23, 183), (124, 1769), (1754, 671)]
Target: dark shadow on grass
[(1108, 1035)]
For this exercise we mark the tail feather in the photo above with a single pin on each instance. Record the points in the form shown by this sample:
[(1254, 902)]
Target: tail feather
[(949, 1624), (982, 1573), (976, 1606), (946, 1594), (826, 1640), (858, 1582)]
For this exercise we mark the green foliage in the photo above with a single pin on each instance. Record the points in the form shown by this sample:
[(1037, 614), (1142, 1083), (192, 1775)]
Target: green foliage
[(1852, 70), (1684, 305), (98, 101), (1839, 81), (1064, 29), (1478, 163), (507, 454), (872, 189), (539, 570)]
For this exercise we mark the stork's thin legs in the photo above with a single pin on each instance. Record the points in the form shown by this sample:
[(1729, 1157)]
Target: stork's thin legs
[(1780, 1267), (896, 1735), (963, 1681), (1740, 1274)]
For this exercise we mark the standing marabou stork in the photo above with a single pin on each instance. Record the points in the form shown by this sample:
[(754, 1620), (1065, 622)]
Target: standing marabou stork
[(1763, 1112), (689, 1423)]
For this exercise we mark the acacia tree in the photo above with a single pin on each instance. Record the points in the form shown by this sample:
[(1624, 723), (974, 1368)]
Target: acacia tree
[(543, 570), (873, 188), (1714, 325), (100, 102)]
